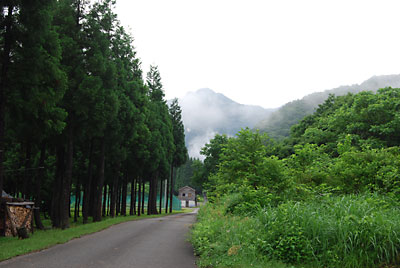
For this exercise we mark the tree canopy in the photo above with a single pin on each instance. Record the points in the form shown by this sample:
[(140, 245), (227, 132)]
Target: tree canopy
[(76, 114)]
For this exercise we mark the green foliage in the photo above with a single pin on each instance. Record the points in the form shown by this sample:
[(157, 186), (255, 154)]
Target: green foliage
[(222, 240), (344, 231), (212, 151), (330, 200), (75, 88), (180, 154), (245, 165), (186, 174), (348, 231)]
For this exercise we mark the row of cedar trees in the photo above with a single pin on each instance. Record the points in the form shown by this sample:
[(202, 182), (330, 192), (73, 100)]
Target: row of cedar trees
[(76, 114)]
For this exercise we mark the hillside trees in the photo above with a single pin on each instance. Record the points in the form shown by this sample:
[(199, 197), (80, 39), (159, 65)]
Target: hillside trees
[(371, 118), (349, 145), (324, 203)]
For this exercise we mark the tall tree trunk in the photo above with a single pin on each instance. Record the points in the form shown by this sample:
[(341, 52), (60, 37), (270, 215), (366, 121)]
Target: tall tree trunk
[(103, 211), (152, 203), (132, 209), (118, 207), (149, 199), (161, 195), (139, 196), (109, 200), (143, 194), (124, 194), (93, 195), (69, 207), (5, 65), (114, 191), (167, 195), (87, 190), (38, 188), (100, 182), (66, 186), (27, 177), (171, 191), (154, 194), (78, 209), (56, 206), (77, 198)]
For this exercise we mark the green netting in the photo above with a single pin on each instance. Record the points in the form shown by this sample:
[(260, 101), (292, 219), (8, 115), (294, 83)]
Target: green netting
[(176, 203)]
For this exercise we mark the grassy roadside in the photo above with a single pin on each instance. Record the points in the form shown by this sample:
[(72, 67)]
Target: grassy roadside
[(349, 231), (12, 246)]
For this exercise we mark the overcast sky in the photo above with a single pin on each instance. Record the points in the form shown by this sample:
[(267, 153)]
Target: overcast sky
[(264, 52)]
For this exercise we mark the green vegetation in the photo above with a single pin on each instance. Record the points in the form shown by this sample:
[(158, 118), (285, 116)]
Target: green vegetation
[(78, 117), (341, 231), (327, 196), (278, 124), (41, 239)]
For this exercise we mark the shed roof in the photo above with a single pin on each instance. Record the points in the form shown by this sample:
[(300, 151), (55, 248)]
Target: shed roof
[(20, 203), (186, 187)]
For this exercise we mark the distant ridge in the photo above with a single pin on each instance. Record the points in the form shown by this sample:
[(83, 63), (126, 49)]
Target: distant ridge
[(206, 113), (278, 124)]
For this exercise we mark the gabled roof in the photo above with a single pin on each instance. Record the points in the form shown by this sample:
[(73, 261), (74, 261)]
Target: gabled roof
[(186, 187)]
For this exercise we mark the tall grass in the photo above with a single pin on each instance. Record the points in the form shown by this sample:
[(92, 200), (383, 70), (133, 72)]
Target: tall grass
[(344, 231), (227, 241)]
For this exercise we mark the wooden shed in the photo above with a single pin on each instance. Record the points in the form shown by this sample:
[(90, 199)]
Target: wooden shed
[(187, 195), (14, 215)]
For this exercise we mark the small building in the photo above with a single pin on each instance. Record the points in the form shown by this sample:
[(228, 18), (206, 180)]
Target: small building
[(14, 215), (187, 195)]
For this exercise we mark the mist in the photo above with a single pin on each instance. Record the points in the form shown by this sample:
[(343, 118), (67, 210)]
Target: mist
[(206, 113)]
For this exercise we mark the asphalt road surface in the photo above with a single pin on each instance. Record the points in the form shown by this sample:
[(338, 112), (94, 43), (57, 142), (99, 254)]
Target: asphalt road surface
[(148, 243)]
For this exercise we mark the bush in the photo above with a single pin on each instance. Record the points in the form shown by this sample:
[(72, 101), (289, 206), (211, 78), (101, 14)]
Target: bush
[(225, 240), (329, 231), (348, 231)]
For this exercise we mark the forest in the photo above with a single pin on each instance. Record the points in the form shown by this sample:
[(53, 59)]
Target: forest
[(77, 118), (326, 196)]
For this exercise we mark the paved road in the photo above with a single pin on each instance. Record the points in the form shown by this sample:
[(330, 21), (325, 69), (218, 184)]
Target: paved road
[(148, 243)]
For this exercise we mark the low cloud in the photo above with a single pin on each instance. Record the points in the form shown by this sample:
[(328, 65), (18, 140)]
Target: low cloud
[(206, 113)]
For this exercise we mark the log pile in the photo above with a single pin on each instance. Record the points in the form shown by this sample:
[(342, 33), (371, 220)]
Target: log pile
[(16, 215)]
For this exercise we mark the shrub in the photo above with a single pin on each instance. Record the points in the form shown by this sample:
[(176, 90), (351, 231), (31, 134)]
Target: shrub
[(328, 231), (348, 231)]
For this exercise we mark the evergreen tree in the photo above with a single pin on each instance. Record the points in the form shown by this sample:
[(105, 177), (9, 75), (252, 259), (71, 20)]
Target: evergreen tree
[(180, 154), (161, 140)]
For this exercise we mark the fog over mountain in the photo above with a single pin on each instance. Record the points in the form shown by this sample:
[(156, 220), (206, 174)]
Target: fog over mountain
[(206, 113), (278, 124)]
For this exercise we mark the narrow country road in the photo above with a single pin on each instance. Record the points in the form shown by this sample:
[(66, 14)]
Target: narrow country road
[(147, 243)]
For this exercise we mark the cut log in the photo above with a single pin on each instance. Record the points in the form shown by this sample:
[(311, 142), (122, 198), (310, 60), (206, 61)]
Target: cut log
[(13, 229)]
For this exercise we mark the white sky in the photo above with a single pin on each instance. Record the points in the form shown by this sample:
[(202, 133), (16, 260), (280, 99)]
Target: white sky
[(264, 52)]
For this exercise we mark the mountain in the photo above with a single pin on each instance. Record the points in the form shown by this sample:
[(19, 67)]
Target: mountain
[(278, 124), (206, 113)]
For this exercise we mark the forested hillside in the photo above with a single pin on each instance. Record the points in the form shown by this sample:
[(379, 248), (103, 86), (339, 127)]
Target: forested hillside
[(76, 115), (206, 113), (327, 196), (278, 124)]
